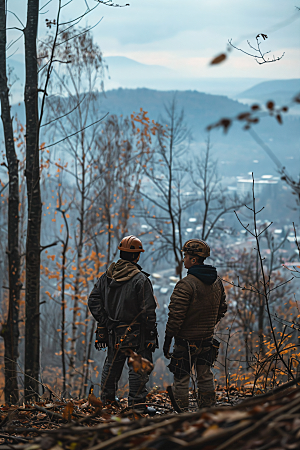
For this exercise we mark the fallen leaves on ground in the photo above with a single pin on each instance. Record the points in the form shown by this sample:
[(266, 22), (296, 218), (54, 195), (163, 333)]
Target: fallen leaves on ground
[(268, 421)]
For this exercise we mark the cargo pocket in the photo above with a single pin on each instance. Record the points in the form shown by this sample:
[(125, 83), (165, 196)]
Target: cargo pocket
[(209, 355), (180, 364)]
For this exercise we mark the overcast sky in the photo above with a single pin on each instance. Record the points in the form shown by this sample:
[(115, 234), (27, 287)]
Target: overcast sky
[(185, 35)]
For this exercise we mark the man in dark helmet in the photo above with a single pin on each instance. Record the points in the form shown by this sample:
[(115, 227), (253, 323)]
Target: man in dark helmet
[(197, 304), (123, 304)]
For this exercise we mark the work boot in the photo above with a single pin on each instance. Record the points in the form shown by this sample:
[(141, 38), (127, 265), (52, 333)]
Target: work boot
[(111, 401), (183, 403), (206, 399)]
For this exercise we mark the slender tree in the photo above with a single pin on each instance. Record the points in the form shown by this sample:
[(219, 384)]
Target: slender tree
[(168, 177), (32, 329), (34, 114), (80, 81), (212, 200), (10, 329), (123, 150)]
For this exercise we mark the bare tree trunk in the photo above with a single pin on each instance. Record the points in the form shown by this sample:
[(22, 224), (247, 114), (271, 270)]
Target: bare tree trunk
[(170, 196), (32, 324), (91, 339), (10, 330), (63, 321), (63, 300), (108, 238), (78, 272), (205, 192), (261, 312), (85, 358)]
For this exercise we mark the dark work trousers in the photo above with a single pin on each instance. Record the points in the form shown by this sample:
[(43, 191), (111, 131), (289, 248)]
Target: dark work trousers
[(111, 375)]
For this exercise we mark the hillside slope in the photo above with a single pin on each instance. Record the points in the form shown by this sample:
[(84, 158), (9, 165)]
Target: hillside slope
[(280, 91), (236, 151)]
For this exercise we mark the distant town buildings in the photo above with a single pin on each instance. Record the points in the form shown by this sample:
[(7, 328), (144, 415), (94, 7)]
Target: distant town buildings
[(266, 183)]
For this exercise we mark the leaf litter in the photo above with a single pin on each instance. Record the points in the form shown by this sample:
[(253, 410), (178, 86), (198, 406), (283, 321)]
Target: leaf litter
[(267, 421)]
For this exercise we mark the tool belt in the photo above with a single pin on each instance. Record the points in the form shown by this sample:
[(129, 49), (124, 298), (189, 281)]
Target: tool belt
[(188, 353), (209, 357), (127, 336)]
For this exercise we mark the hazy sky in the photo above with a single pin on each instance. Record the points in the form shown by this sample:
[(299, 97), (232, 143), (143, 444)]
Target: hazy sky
[(184, 35)]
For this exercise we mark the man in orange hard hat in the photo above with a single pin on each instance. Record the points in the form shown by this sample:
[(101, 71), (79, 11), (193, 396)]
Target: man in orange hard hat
[(123, 304), (197, 303)]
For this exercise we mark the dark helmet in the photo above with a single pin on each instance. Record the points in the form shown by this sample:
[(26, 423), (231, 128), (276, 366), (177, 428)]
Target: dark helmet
[(196, 247)]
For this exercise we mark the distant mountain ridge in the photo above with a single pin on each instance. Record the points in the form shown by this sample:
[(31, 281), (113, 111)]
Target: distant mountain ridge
[(236, 151), (280, 91), (125, 72), (199, 108), (124, 63)]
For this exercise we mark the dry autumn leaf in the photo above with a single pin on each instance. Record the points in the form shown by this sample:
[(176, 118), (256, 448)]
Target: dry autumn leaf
[(140, 365), (94, 401), (218, 59), (68, 410)]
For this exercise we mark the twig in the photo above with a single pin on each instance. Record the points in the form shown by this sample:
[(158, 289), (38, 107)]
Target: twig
[(76, 132), (257, 425), (260, 58), (127, 435)]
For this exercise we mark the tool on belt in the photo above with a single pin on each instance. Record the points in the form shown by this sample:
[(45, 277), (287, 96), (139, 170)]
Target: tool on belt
[(121, 335), (173, 400), (103, 332), (188, 353), (125, 336)]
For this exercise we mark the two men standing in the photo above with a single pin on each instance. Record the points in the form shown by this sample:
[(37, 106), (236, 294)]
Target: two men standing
[(123, 304)]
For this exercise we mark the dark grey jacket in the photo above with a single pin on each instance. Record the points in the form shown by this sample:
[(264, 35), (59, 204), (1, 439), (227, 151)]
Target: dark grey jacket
[(123, 293)]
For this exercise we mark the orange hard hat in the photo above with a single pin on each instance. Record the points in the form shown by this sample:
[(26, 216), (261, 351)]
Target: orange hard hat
[(131, 244)]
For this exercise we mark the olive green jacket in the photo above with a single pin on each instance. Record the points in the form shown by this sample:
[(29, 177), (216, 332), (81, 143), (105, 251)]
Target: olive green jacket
[(195, 308)]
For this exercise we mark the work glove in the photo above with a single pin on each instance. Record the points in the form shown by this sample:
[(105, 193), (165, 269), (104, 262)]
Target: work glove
[(101, 340), (167, 345), (100, 345), (151, 340)]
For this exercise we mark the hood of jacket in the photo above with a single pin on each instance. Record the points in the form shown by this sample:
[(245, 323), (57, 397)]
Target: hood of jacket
[(122, 271), (205, 273)]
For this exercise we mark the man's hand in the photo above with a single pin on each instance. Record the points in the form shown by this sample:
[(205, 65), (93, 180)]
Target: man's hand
[(167, 345), (100, 345), (151, 339)]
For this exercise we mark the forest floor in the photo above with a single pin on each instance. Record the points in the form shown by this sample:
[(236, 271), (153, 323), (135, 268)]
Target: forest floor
[(239, 420)]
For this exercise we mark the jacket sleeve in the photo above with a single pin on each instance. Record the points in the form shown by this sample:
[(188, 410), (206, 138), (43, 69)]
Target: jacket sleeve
[(179, 304), (96, 304), (146, 297), (223, 304)]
